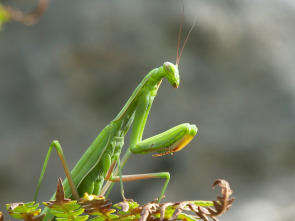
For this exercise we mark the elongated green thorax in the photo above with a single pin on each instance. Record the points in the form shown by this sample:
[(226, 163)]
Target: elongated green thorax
[(152, 79)]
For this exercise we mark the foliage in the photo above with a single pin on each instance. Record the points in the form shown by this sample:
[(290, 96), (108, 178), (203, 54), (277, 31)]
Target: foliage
[(8, 13), (100, 209), (97, 206), (4, 16), (26, 211), (63, 208)]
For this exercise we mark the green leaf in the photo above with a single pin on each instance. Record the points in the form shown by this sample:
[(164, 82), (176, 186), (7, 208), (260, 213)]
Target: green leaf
[(203, 203), (185, 217), (23, 210)]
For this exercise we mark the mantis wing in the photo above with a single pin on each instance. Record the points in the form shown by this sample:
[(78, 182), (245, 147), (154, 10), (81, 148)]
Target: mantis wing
[(89, 160)]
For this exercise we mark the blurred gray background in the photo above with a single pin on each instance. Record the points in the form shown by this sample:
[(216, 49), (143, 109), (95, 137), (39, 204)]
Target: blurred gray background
[(70, 74)]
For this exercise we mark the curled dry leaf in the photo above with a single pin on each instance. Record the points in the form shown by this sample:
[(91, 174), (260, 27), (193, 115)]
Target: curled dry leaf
[(124, 205), (147, 210), (221, 206), (224, 202), (203, 210)]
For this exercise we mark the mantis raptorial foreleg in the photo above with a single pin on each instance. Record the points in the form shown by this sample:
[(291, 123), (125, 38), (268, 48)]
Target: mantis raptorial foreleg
[(167, 142)]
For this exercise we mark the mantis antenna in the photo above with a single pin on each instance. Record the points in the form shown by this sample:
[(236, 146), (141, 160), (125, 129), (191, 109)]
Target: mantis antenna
[(178, 55)]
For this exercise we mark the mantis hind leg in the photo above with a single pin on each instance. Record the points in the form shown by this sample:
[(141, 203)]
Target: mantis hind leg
[(126, 178), (55, 144)]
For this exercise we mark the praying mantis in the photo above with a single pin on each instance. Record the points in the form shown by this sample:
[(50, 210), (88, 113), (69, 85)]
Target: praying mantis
[(98, 163)]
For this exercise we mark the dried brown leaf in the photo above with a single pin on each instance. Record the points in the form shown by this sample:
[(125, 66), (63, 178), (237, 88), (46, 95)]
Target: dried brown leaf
[(59, 196), (181, 206), (60, 193), (222, 205), (93, 204), (1, 216), (225, 202), (124, 205), (147, 210)]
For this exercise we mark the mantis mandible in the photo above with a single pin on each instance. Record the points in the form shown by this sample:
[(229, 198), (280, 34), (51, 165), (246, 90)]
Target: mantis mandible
[(98, 162)]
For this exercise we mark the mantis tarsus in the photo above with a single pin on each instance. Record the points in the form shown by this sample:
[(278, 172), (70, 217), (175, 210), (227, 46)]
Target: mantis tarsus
[(98, 162)]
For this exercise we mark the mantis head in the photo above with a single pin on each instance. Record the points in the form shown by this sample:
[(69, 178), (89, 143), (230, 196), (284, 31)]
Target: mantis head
[(171, 70), (171, 73)]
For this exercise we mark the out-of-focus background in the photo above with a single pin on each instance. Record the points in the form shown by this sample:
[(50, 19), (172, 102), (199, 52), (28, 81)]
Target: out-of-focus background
[(70, 74)]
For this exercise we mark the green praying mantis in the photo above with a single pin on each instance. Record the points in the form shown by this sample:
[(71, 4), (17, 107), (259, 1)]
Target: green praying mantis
[(98, 163)]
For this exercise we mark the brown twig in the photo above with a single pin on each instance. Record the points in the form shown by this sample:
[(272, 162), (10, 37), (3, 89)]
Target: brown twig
[(28, 18)]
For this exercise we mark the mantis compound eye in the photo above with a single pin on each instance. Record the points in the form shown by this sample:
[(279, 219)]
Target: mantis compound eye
[(168, 68)]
